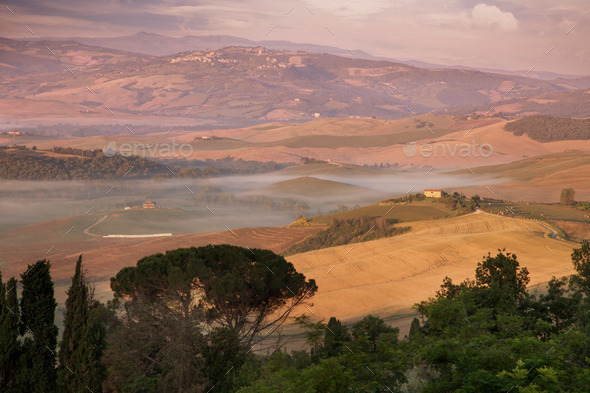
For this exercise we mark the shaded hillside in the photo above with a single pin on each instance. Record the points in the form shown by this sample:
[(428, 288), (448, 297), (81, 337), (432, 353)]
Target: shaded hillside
[(548, 129), (33, 57)]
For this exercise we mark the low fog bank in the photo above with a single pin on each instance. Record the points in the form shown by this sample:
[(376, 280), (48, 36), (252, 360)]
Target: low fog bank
[(211, 204)]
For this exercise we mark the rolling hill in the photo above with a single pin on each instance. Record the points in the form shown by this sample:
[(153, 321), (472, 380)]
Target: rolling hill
[(539, 179), (312, 187), (388, 276)]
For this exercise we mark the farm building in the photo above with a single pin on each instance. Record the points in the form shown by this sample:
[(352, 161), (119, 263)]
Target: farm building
[(433, 193), (149, 205)]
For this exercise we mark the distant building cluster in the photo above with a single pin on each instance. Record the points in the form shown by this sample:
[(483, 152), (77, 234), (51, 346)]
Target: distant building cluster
[(146, 205)]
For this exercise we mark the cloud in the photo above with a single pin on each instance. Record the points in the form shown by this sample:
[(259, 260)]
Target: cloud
[(493, 17)]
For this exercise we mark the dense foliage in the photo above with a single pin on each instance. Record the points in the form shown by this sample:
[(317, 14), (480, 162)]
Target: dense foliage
[(548, 129), (179, 323), (346, 231)]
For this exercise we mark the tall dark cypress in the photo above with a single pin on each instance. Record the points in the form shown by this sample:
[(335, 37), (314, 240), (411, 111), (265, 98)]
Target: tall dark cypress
[(82, 343), (37, 371), (9, 344)]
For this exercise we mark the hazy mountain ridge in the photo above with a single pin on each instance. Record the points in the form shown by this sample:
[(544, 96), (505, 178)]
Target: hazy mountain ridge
[(242, 84), (161, 45)]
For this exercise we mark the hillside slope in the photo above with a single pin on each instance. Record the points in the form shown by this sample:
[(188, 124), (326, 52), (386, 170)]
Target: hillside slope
[(387, 276)]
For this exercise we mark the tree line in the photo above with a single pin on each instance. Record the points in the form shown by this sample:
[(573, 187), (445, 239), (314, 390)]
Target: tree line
[(199, 320), (21, 163), (349, 230), (548, 128)]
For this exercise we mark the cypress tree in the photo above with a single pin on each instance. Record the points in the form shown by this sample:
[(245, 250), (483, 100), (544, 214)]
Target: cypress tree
[(9, 344), (83, 340), (37, 371)]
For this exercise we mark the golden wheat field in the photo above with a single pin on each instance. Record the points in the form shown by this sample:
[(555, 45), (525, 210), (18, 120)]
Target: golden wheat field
[(386, 277)]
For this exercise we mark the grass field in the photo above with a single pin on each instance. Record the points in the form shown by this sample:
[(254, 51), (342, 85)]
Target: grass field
[(414, 211), (388, 276), (145, 221), (104, 257), (538, 167)]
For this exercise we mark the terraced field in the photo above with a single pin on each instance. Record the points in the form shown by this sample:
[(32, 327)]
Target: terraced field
[(104, 257), (387, 276)]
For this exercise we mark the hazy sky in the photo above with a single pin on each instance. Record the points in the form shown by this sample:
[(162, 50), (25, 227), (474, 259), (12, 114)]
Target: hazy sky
[(493, 34)]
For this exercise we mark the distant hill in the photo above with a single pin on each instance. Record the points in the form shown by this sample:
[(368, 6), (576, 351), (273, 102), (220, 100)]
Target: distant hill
[(314, 187), (571, 165), (239, 86), (332, 169), (572, 102)]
